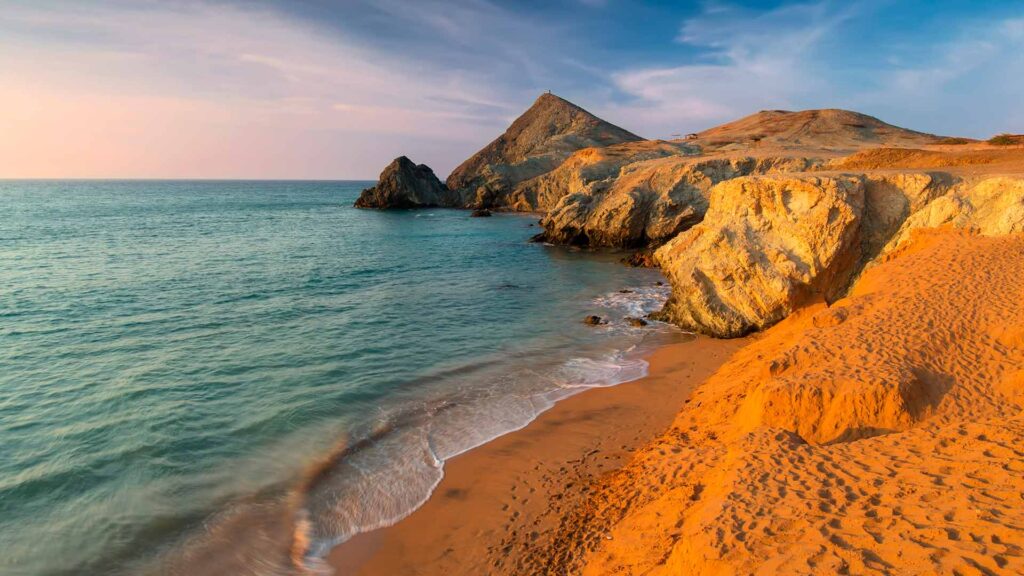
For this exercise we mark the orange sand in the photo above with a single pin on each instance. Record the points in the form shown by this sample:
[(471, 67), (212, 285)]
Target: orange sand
[(982, 156), (499, 497), (881, 435)]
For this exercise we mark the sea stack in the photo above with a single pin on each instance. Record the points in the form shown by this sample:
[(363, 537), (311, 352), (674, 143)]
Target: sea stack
[(405, 184)]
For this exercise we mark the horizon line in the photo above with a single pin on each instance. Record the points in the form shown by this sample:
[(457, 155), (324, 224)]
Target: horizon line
[(184, 179)]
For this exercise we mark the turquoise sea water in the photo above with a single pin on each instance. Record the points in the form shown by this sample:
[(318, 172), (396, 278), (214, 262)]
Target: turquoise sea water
[(231, 377)]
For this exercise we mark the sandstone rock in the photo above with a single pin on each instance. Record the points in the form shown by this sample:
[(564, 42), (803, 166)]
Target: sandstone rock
[(404, 184), (767, 245), (480, 213), (635, 322), (649, 201), (593, 320), (992, 207), (586, 167), (640, 259), (890, 199), (537, 142)]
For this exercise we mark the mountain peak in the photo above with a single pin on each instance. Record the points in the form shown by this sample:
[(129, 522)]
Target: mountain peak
[(551, 99), (535, 143)]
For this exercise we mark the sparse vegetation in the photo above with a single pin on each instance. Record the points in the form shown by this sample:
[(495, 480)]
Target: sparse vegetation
[(955, 141), (1006, 139)]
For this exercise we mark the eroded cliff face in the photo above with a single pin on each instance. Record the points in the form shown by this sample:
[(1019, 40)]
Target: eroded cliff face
[(992, 207), (755, 218), (767, 245), (646, 202), (758, 254)]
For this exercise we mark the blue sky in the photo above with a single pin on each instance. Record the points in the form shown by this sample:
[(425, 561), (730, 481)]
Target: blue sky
[(335, 89)]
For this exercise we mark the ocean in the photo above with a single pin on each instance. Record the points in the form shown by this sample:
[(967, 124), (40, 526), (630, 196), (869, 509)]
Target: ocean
[(233, 377)]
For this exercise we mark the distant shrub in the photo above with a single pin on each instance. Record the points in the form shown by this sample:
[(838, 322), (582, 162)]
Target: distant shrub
[(955, 141), (1006, 139)]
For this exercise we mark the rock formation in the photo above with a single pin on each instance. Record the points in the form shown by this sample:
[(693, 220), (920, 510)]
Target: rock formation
[(645, 202), (767, 245), (994, 206), (757, 216), (536, 143), (404, 184), (760, 473)]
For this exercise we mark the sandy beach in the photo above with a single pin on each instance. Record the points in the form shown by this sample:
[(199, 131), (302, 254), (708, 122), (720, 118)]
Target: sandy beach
[(497, 499), (875, 435), (497, 288)]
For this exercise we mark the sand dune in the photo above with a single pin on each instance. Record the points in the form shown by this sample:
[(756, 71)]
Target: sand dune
[(881, 435)]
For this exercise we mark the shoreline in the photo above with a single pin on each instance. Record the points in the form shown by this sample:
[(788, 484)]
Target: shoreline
[(514, 487)]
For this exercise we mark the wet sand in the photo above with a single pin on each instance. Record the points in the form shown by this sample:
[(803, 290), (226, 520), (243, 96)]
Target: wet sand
[(498, 498)]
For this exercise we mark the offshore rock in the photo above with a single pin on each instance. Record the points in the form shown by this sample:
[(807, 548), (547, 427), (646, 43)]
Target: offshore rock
[(404, 184)]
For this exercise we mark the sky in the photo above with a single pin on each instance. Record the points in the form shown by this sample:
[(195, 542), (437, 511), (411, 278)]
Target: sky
[(335, 89)]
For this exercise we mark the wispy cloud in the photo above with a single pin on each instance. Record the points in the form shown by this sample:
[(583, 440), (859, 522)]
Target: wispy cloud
[(969, 83), (746, 61), (205, 74), (273, 88), (810, 55)]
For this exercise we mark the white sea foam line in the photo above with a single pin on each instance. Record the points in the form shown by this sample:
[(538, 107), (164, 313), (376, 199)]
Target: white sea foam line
[(542, 402)]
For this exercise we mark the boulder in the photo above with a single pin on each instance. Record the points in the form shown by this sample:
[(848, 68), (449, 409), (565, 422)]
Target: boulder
[(640, 259), (480, 213), (405, 184), (767, 245), (593, 320)]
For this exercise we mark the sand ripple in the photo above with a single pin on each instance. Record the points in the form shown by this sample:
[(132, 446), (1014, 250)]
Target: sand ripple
[(881, 435)]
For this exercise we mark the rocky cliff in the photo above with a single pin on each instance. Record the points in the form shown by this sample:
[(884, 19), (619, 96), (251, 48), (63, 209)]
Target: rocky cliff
[(646, 202), (536, 143), (405, 184), (768, 244), (755, 218)]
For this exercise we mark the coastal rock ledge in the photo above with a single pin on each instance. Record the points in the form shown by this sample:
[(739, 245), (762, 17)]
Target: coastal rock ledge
[(405, 184)]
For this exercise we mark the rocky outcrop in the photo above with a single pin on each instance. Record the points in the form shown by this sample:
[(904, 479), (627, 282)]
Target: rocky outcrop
[(404, 184), (771, 244), (890, 199), (767, 245), (992, 207), (647, 202), (536, 143), (757, 216), (587, 167)]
